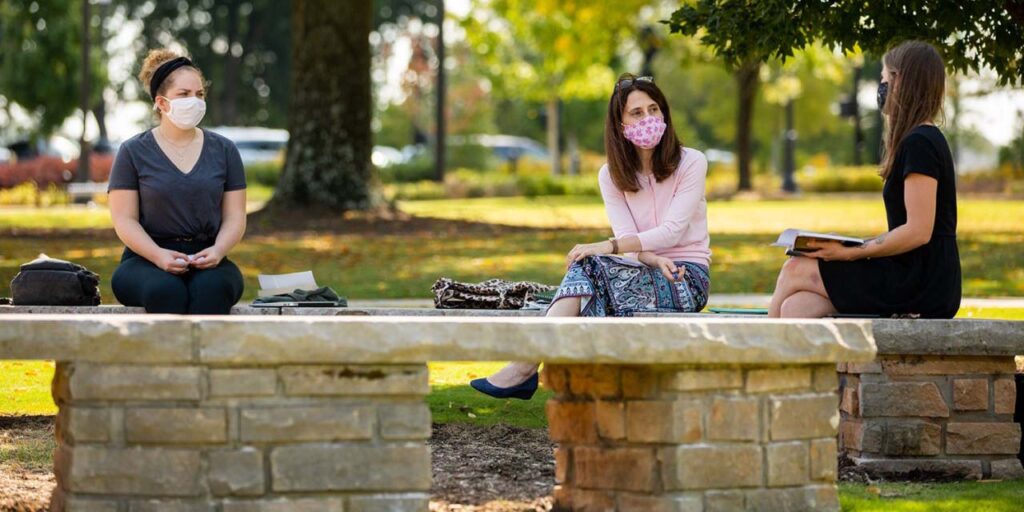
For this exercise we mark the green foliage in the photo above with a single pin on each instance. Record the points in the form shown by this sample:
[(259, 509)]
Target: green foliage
[(972, 35), (986, 496), (243, 48), (27, 194), (263, 173), (464, 183), (41, 58), (840, 179)]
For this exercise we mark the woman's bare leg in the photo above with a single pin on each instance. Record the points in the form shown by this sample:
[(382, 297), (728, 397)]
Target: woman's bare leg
[(797, 275), (807, 305), (516, 373)]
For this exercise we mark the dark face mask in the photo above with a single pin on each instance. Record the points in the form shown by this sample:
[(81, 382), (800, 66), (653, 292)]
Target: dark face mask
[(883, 91)]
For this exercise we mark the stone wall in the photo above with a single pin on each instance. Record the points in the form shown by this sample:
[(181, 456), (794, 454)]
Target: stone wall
[(664, 438), (931, 416), (135, 438)]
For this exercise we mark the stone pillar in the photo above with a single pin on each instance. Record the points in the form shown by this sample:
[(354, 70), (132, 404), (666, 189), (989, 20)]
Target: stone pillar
[(931, 416), (674, 438), (240, 439)]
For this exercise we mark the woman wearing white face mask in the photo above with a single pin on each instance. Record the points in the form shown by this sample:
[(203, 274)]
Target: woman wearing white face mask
[(177, 199), (653, 191)]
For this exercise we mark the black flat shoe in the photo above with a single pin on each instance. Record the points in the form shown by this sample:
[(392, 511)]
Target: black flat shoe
[(522, 391)]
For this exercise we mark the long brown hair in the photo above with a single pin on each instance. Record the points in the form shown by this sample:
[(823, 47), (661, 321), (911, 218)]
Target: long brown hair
[(915, 97), (623, 158)]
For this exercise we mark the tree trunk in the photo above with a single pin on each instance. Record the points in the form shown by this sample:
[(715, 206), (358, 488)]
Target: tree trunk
[(328, 159), (441, 145), (100, 113), (747, 81), (554, 123)]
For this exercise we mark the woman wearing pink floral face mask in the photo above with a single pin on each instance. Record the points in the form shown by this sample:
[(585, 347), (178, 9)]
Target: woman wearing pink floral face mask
[(653, 190)]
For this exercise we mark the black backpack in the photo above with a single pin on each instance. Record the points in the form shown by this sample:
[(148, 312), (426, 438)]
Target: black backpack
[(48, 282)]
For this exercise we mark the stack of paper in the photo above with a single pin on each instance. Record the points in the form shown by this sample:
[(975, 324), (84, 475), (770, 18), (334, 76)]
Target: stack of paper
[(273, 284)]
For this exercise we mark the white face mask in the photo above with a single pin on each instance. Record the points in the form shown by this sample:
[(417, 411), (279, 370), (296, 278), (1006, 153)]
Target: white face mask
[(185, 113)]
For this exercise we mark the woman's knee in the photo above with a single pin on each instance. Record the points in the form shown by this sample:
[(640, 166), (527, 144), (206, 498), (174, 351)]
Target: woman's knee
[(165, 296)]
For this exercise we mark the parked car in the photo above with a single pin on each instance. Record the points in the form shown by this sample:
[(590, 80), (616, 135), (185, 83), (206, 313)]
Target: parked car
[(256, 145), (5, 156)]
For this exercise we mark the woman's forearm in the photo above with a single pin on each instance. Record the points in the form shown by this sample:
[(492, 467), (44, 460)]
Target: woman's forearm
[(230, 233), (898, 241), (135, 238)]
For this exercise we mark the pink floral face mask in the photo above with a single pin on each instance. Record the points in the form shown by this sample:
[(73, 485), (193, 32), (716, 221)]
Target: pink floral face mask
[(645, 133)]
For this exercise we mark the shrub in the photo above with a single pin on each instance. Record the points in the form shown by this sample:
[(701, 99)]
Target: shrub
[(263, 173), (50, 170), (26, 194)]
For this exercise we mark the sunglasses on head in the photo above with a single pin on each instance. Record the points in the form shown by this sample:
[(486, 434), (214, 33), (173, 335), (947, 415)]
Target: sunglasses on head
[(628, 80)]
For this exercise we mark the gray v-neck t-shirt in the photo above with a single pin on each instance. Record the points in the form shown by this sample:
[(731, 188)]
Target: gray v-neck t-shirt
[(173, 204)]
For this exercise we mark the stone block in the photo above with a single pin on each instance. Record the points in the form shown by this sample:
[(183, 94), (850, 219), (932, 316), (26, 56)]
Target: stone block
[(236, 472), (555, 377), (825, 378), (639, 383), (970, 394), (982, 438), (171, 506), (286, 505), (824, 463), (80, 504), (734, 419), (785, 379), (389, 503), (563, 464), (175, 425), (788, 463), (339, 467), (663, 421), (1005, 396), (595, 380), (795, 499), (920, 469), (571, 422), (849, 401), (626, 469), (115, 382), (661, 503), (921, 399), (851, 435), (242, 382), (134, 471), (717, 466), (1007, 469), (702, 380), (611, 420), (307, 423), (404, 421), (83, 425), (861, 368), (724, 501), (946, 365), (802, 417), (354, 380), (902, 437)]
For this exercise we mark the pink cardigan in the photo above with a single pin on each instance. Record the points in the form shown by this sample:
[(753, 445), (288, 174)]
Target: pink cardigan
[(671, 217)]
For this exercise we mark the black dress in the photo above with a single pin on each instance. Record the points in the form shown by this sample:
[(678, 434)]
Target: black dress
[(925, 280)]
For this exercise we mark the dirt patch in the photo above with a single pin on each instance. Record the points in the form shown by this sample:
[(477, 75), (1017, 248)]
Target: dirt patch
[(476, 469)]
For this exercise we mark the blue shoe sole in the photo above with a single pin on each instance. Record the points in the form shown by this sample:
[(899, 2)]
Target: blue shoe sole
[(522, 391)]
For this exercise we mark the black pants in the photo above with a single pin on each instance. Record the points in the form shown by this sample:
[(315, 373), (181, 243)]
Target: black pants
[(139, 283)]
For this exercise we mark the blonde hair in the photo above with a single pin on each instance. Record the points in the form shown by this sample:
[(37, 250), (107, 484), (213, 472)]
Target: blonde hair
[(153, 61), (921, 77)]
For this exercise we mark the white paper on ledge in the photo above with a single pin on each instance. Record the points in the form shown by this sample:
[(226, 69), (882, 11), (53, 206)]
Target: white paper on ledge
[(273, 284)]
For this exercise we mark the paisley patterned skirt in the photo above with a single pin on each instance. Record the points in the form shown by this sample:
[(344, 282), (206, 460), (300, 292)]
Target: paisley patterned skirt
[(616, 286)]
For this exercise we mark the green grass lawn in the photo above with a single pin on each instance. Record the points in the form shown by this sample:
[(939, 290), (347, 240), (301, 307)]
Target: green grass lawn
[(405, 266), (914, 497)]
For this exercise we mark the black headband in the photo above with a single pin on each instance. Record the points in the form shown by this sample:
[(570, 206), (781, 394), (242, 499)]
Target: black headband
[(165, 71)]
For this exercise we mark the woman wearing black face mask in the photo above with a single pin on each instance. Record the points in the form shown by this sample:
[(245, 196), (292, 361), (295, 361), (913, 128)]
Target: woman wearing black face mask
[(914, 269)]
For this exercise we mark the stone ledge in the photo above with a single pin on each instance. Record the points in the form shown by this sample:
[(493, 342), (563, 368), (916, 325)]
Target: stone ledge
[(949, 337), (325, 340)]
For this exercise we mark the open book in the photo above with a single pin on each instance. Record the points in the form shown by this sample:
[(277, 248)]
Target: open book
[(795, 241)]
